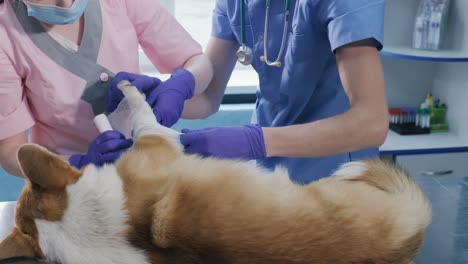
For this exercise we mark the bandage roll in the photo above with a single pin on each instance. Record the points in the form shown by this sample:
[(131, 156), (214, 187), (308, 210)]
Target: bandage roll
[(102, 123)]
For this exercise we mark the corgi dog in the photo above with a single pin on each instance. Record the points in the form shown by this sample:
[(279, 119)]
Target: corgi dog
[(157, 205)]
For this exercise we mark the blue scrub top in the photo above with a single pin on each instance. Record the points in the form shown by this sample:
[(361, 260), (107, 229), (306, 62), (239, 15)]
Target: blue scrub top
[(307, 87)]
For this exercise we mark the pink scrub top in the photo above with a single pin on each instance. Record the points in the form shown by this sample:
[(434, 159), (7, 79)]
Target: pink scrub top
[(50, 89)]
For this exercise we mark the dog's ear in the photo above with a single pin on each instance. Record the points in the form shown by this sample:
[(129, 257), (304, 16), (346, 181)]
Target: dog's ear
[(17, 245), (44, 168)]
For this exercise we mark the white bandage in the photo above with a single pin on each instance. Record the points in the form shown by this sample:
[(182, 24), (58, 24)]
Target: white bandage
[(135, 118)]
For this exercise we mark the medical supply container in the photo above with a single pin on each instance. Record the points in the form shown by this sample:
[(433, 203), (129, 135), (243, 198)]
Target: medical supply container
[(429, 117), (430, 24)]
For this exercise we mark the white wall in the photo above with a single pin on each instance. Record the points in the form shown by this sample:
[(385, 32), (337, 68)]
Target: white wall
[(399, 21), (407, 82), (457, 33), (169, 4)]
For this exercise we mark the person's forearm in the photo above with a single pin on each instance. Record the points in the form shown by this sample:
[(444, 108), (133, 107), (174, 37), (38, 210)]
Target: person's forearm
[(8, 149), (207, 103), (201, 68), (364, 125), (222, 55), (11, 166), (351, 131), (200, 106)]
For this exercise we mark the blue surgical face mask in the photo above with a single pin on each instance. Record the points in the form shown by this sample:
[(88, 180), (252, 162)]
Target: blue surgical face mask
[(55, 15)]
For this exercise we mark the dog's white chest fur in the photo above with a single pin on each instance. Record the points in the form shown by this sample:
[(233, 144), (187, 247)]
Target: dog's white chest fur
[(92, 230)]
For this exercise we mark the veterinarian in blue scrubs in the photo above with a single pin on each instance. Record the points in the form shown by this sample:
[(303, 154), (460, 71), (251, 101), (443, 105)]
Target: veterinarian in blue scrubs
[(321, 100)]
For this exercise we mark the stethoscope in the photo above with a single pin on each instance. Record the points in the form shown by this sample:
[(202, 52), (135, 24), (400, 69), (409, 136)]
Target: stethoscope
[(245, 54)]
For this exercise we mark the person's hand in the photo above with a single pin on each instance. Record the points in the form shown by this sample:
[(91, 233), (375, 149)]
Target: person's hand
[(106, 148), (167, 100), (239, 142), (145, 84)]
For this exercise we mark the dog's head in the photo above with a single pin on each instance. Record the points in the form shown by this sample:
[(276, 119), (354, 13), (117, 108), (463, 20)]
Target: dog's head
[(43, 198), (68, 215)]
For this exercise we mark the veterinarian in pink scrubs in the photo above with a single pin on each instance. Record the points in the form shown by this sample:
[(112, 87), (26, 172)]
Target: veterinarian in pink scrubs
[(57, 59)]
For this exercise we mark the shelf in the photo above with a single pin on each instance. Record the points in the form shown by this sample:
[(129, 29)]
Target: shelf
[(437, 142), (426, 55)]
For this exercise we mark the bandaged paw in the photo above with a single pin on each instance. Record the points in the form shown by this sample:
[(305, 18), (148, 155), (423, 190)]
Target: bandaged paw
[(140, 115)]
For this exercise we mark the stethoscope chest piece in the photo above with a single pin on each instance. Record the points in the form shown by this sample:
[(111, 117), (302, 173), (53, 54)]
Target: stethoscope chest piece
[(245, 55)]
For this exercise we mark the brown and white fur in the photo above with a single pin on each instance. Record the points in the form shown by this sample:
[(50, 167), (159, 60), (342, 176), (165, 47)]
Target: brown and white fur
[(157, 205)]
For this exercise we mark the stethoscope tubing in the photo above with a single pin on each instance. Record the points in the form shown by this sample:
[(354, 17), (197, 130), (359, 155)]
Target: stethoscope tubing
[(264, 58)]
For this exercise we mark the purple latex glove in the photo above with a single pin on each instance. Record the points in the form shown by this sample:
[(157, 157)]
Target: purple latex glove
[(239, 142), (168, 99), (106, 148), (145, 84)]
